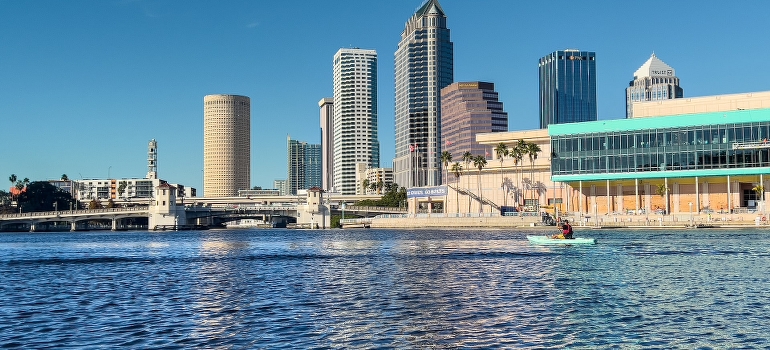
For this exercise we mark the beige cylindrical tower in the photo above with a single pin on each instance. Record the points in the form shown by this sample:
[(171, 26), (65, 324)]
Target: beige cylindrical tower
[(226, 145)]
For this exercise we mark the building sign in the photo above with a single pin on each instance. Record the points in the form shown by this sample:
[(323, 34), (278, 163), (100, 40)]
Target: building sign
[(419, 192), (468, 85), (663, 72)]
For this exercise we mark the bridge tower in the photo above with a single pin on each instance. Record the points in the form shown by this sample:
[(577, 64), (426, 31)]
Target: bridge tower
[(314, 214), (163, 209)]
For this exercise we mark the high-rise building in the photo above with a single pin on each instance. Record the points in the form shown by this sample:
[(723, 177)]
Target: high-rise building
[(226, 145), (567, 87), (355, 116), (653, 81), (327, 147), (467, 109), (424, 66), (303, 165), (152, 159)]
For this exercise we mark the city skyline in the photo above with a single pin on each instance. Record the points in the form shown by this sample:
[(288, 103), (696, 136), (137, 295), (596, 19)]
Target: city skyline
[(93, 82)]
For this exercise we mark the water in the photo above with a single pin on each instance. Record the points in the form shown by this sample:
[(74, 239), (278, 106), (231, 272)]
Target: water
[(386, 289)]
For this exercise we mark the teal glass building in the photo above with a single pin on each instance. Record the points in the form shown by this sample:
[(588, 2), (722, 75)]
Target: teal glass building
[(567, 87)]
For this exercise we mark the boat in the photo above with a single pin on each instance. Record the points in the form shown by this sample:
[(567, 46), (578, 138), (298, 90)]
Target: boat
[(556, 241), (248, 223)]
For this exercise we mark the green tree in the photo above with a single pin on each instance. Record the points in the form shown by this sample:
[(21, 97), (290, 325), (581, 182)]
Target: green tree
[(122, 188), (446, 157), (532, 151), (110, 203), (94, 204), (43, 196), (480, 162), (517, 154), (12, 179), (364, 185), (467, 159), (64, 177), (501, 150), (379, 186), (457, 169)]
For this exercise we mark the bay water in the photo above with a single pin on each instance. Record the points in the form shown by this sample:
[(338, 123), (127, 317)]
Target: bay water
[(384, 289)]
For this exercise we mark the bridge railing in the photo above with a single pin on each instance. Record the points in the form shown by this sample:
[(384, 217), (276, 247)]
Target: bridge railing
[(376, 209), (72, 212)]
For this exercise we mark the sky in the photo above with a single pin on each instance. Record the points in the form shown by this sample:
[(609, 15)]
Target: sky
[(86, 84)]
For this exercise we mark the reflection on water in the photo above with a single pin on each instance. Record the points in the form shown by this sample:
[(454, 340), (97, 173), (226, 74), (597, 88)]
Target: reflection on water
[(383, 289)]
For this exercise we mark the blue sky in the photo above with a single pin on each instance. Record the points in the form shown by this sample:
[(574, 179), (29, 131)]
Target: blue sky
[(85, 84)]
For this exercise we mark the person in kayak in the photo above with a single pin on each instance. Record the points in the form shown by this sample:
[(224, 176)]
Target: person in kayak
[(566, 231)]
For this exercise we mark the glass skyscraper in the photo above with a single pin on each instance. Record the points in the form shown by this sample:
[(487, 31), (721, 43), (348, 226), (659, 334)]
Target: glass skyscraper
[(424, 65), (303, 166), (567, 87), (653, 81)]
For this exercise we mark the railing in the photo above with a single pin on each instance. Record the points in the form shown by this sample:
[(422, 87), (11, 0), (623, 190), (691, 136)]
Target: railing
[(73, 212), (751, 145)]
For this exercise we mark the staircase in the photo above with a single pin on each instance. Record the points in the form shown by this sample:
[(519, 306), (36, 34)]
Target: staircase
[(474, 196)]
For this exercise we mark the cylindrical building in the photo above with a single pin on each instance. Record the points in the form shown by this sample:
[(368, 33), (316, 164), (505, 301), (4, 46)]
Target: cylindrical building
[(226, 145)]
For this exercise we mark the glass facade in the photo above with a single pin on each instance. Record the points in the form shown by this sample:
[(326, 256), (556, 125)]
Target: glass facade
[(713, 146), (567, 87)]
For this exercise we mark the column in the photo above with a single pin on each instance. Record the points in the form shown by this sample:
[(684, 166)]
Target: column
[(636, 195), (697, 196), (609, 207), (729, 197), (580, 196), (619, 199), (114, 224), (73, 226)]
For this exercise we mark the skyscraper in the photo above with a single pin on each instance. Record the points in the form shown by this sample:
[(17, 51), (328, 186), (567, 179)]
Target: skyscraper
[(355, 116), (424, 66), (303, 165), (653, 81), (467, 109), (226, 145), (567, 87), (327, 148)]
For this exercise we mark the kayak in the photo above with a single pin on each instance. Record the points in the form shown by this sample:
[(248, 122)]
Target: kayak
[(549, 240)]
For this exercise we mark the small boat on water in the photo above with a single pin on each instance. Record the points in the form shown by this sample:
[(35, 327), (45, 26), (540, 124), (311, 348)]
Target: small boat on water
[(248, 223), (547, 240)]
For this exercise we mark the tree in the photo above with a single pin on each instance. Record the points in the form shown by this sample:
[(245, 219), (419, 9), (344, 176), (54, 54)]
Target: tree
[(457, 169), (760, 191), (501, 151), (446, 157), (64, 177), (379, 185), (12, 179), (532, 150), (122, 188), (468, 158), (94, 204), (480, 162), (41, 196), (364, 185), (662, 191), (517, 153), (110, 203)]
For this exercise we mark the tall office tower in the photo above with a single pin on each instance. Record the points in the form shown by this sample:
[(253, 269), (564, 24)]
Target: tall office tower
[(226, 145), (467, 109), (567, 87), (653, 81), (303, 165), (327, 148), (424, 66), (152, 159), (355, 116)]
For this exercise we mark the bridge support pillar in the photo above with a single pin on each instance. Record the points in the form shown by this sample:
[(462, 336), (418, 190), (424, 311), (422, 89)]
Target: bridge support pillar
[(32, 227), (73, 226), (114, 224)]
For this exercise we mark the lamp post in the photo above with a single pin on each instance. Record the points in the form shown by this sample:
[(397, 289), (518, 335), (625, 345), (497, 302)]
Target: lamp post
[(691, 221), (343, 213)]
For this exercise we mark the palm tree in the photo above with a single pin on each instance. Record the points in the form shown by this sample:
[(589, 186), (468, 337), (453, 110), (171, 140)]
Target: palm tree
[(64, 177), (517, 153), (379, 185), (468, 158), (662, 191), (501, 151), (532, 150), (480, 162), (457, 169), (446, 157), (12, 179), (364, 185)]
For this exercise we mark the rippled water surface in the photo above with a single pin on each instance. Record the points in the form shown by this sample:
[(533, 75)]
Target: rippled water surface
[(384, 289)]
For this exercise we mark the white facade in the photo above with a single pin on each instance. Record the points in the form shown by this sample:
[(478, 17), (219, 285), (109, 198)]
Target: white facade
[(116, 189), (355, 116), (374, 177), (703, 104), (327, 148), (226, 145)]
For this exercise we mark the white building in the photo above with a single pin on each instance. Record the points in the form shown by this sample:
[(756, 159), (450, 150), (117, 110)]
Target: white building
[(653, 81), (355, 116), (374, 179)]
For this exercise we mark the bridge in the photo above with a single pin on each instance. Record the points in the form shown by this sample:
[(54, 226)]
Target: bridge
[(197, 214)]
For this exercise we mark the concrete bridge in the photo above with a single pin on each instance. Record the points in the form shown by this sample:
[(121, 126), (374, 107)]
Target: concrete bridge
[(76, 219)]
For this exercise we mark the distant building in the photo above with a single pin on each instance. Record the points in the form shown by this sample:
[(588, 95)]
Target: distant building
[(116, 189), (374, 178), (281, 186), (262, 192), (653, 81), (226, 145), (327, 147), (467, 109), (355, 116), (567, 87), (303, 165), (424, 66)]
